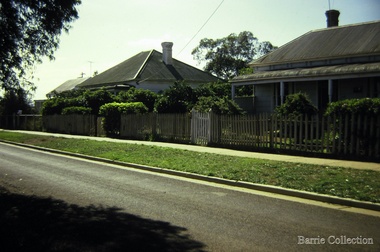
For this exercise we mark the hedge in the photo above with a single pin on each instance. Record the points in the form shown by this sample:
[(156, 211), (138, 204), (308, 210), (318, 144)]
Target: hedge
[(364, 106), (112, 114), (76, 110)]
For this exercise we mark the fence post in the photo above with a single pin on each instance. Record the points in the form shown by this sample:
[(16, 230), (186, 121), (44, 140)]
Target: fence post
[(209, 117), (154, 122), (13, 121), (192, 136), (377, 137), (270, 126)]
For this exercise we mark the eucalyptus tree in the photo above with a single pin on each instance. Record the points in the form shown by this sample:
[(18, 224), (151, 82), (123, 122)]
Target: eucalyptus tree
[(226, 57)]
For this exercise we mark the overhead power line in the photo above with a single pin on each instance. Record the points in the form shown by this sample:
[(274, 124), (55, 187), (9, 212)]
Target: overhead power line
[(191, 38), (200, 29)]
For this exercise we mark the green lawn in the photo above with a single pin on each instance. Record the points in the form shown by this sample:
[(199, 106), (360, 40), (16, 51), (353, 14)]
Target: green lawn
[(342, 182)]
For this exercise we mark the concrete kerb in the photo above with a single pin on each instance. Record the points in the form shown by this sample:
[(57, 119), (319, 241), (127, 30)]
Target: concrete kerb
[(253, 186)]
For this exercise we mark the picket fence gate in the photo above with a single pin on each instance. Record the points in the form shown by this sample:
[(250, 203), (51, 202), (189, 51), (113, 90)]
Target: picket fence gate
[(200, 127)]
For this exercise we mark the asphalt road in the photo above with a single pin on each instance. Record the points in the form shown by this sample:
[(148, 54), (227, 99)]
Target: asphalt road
[(56, 203)]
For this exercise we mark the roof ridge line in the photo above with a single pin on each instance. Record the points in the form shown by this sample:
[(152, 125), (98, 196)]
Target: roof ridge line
[(345, 26), (143, 64), (252, 63)]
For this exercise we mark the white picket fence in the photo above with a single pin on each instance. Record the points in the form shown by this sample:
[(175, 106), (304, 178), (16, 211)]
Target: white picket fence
[(349, 135)]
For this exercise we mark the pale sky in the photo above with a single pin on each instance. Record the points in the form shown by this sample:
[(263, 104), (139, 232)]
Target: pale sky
[(109, 32)]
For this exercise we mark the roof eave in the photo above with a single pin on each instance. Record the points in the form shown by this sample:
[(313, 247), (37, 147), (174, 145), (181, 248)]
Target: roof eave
[(314, 62), (318, 73)]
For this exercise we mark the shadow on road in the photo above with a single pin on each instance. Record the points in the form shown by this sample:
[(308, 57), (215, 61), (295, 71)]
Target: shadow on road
[(30, 223)]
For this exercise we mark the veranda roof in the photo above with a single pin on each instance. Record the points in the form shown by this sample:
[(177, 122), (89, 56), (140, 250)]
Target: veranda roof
[(315, 73)]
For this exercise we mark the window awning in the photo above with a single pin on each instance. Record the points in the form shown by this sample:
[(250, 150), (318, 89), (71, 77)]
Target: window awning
[(309, 74)]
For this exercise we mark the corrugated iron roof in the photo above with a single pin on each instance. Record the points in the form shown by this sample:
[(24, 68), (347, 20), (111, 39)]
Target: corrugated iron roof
[(315, 72), (146, 66), (69, 85), (329, 43), (125, 71)]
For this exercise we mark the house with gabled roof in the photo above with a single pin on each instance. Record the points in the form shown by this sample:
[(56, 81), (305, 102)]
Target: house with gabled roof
[(67, 86), (335, 63), (150, 70)]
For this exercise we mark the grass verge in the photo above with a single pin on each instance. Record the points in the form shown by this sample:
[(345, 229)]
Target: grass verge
[(343, 182)]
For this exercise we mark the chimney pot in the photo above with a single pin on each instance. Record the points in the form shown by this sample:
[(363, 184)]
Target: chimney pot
[(167, 52), (332, 18)]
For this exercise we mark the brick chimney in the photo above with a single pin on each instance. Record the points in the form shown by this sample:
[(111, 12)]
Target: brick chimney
[(332, 18), (167, 52)]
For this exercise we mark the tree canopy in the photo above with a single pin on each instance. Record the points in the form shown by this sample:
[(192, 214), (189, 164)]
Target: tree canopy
[(29, 31), (13, 101), (178, 98), (225, 57)]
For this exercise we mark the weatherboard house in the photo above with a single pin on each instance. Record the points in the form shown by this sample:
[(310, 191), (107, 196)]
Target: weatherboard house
[(335, 63), (150, 70)]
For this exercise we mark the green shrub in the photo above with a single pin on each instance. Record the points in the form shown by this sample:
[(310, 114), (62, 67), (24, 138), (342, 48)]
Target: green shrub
[(55, 105), (365, 106), (166, 104), (76, 110), (350, 109), (138, 95), (219, 89), (296, 105), (220, 106), (179, 98), (112, 114), (95, 99)]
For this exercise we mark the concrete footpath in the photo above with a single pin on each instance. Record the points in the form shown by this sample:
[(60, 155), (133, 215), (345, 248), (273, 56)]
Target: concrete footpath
[(348, 204), (223, 151)]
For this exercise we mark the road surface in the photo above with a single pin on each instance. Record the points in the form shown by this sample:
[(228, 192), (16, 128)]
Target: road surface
[(52, 202)]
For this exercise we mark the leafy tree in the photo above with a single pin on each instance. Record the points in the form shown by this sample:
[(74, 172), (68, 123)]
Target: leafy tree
[(69, 93), (245, 71), (30, 30), (225, 57), (95, 99), (179, 98), (15, 100), (166, 104), (55, 106), (219, 89), (220, 106), (89, 99)]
